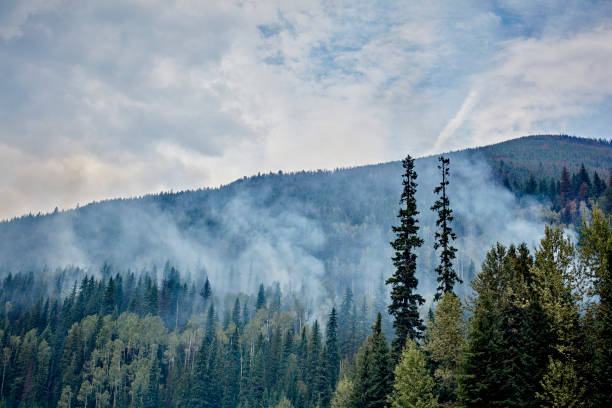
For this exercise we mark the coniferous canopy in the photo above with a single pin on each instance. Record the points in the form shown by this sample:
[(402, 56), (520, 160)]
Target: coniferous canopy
[(445, 235), (374, 376), (405, 301)]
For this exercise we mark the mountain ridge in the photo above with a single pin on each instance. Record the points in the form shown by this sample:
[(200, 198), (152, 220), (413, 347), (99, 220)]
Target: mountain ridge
[(493, 154)]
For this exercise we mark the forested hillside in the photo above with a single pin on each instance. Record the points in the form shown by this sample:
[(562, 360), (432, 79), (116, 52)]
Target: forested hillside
[(255, 225), (535, 333), (546, 155)]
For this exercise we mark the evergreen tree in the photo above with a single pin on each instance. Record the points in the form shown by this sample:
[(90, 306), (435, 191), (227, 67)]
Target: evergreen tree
[(256, 383), (566, 188), (561, 387), (151, 398), (595, 249), (108, 302), (445, 343), (206, 291), (344, 394), (374, 376), (236, 313), (347, 325), (315, 375), (443, 237), (261, 298), (583, 177), (598, 185), (202, 391), (531, 185), (509, 336), (413, 386), (332, 357), (405, 301)]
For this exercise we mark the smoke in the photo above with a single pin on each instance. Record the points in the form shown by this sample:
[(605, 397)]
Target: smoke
[(315, 233)]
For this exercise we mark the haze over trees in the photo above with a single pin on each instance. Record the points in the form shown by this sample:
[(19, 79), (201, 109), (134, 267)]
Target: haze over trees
[(535, 332)]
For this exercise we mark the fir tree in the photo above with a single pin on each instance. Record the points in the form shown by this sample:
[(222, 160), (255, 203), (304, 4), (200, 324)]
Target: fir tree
[(445, 343), (261, 298), (443, 237), (405, 301), (595, 249), (509, 336), (347, 324), (332, 358), (566, 188), (413, 386), (374, 376)]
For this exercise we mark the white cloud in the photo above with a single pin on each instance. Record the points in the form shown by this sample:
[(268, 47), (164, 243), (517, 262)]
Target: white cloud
[(118, 98), (536, 85)]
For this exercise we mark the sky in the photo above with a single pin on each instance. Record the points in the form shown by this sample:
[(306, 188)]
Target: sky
[(119, 98)]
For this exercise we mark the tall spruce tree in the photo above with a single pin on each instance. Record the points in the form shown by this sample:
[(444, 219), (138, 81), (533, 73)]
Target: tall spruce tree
[(374, 376), (332, 358), (347, 325), (405, 301), (445, 235), (509, 335)]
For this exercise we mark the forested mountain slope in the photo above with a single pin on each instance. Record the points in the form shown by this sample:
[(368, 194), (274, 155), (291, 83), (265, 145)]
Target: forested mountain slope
[(546, 155), (262, 294), (322, 229)]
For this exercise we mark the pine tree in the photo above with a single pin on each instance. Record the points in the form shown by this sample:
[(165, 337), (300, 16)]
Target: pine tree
[(446, 273), (404, 299), (108, 302), (413, 386), (151, 397), (231, 378), (561, 387), (261, 298), (256, 383), (344, 394), (445, 342), (206, 291), (347, 325), (509, 335), (566, 188), (598, 185), (332, 358), (583, 177), (374, 376), (202, 389), (315, 375), (595, 249), (531, 185)]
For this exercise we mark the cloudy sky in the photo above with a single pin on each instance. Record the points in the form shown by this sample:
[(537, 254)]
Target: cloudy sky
[(113, 98)]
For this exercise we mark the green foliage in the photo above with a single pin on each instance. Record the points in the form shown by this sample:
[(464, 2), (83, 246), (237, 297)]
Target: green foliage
[(444, 235), (284, 403), (343, 397), (561, 387), (509, 337), (445, 342), (413, 386), (404, 299), (374, 376), (595, 249)]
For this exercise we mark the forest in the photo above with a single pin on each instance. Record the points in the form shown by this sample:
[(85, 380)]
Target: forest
[(535, 330)]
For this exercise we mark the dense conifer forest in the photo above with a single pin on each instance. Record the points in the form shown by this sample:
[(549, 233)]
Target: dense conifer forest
[(532, 329)]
